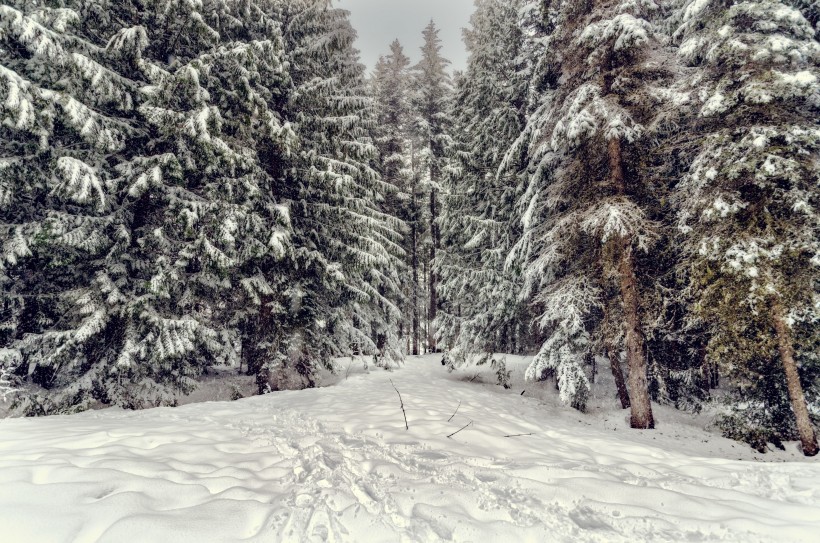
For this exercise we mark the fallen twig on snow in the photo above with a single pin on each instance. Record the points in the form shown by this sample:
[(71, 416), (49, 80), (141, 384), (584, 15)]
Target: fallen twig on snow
[(460, 429), (454, 412), (519, 435), (406, 426)]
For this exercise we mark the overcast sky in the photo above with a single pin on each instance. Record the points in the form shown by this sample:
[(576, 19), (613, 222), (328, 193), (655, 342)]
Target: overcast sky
[(379, 22)]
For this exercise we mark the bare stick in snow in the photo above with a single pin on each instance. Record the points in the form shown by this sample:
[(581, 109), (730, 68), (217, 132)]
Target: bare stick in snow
[(454, 412), (518, 435), (347, 373), (473, 379), (406, 426), (460, 429)]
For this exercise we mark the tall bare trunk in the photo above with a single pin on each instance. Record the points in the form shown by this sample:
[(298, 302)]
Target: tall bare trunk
[(415, 288), (618, 374), (808, 439), (433, 306), (414, 253), (641, 416)]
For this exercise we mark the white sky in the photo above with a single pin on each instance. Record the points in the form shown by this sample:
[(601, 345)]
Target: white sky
[(379, 22)]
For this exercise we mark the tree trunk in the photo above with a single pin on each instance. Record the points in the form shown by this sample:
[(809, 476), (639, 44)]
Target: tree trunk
[(616, 167), (618, 374), (610, 350), (808, 439), (433, 307), (261, 333), (709, 373), (414, 263), (589, 360), (641, 416)]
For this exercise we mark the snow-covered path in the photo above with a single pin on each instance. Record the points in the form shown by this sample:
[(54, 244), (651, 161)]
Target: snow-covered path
[(336, 464)]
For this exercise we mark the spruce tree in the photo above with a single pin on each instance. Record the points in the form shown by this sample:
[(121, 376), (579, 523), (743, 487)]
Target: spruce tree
[(589, 195), (481, 311), (748, 208), (68, 116), (348, 248), (184, 182), (139, 284), (431, 95), (390, 86)]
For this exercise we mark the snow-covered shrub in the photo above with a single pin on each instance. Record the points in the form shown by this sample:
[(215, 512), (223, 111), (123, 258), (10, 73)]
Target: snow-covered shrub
[(502, 374), (9, 361)]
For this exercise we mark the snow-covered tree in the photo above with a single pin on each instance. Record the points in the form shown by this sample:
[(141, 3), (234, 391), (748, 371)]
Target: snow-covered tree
[(347, 247), (138, 323), (431, 96), (390, 87), (69, 109), (481, 311), (184, 181), (586, 219), (748, 207)]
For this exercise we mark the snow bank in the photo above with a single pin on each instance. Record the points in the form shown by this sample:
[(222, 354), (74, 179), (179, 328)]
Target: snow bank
[(336, 464)]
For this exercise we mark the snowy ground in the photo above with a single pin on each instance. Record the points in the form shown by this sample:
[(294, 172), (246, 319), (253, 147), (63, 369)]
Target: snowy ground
[(336, 464)]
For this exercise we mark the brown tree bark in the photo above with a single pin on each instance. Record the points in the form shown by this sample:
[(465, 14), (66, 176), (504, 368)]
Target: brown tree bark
[(618, 374), (641, 415), (614, 357), (808, 439), (616, 167)]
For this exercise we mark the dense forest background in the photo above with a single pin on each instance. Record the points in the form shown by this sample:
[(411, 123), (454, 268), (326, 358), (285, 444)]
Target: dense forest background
[(194, 183)]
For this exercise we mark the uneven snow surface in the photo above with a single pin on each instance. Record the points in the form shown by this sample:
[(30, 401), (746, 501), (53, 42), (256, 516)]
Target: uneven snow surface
[(336, 464)]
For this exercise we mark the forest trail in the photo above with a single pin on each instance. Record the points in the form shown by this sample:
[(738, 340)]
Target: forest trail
[(336, 464)]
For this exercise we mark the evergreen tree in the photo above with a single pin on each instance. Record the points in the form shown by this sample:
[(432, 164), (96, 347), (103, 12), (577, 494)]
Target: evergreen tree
[(479, 294), (589, 195), (348, 249), (390, 86), (748, 208), (183, 181), (133, 289), (432, 89), (67, 117)]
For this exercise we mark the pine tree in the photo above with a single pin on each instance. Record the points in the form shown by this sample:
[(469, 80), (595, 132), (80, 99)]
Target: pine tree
[(68, 114), (589, 195), (138, 322), (432, 89), (390, 86), (172, 170), (748, 207), (248, 80), (348, 248), (481, 311)]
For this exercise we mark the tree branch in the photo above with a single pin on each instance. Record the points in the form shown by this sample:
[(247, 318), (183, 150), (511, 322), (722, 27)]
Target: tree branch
[(460, 429), (401, 402), (454, 413)]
